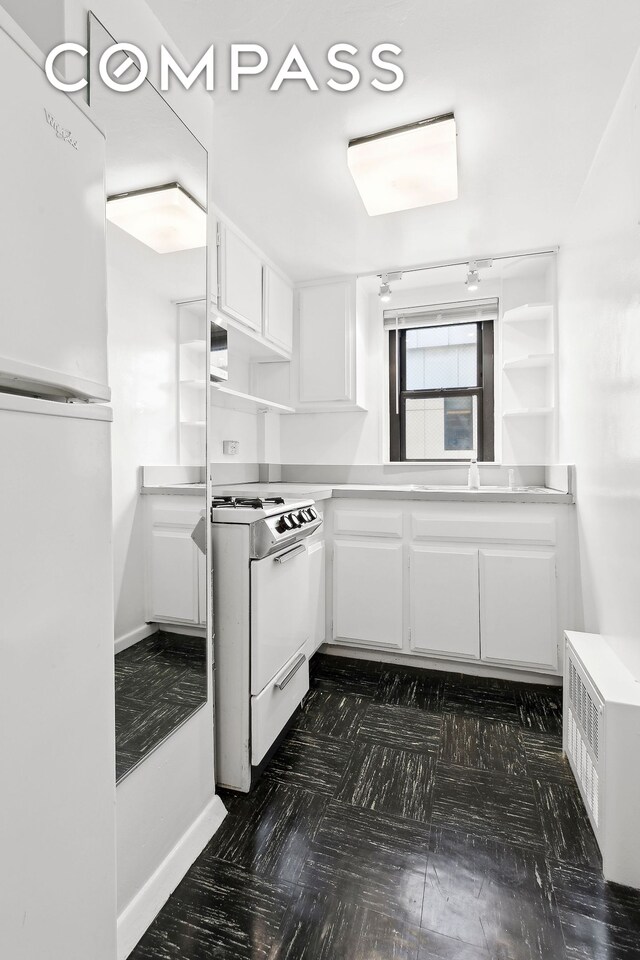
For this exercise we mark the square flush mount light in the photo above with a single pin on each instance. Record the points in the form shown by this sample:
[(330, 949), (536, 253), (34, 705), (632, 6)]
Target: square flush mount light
[(411, 166), (166, 218)]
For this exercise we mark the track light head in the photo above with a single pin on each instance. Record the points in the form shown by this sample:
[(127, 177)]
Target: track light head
[(473, 277), (385, 290)]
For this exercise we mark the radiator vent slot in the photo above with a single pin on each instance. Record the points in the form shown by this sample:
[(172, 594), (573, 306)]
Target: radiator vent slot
[(586, 712), (584, 768)]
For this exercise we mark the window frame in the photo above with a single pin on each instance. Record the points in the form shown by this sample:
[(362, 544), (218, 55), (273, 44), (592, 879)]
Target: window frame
[(484, 391)]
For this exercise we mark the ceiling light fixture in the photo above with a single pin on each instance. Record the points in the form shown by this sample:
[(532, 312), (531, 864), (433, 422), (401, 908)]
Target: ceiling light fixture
[(165, 218), (385, 290), (406, 167)]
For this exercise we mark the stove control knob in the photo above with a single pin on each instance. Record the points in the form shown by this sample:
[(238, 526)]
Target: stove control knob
[(313, 513), (295, 522), (302, 517), (282, 526)]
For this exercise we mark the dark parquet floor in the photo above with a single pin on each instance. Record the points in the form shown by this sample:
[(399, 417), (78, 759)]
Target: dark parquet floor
[(408, 815)]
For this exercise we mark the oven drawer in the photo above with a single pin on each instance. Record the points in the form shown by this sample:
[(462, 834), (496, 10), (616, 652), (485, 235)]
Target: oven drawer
[(280, 616), (271, 709)]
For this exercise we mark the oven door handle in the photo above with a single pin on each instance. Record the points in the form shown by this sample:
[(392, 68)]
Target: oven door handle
[(281, 684), (290, 554)]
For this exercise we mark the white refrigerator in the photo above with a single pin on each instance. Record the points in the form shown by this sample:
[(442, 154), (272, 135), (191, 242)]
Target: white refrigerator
[(57, 794)]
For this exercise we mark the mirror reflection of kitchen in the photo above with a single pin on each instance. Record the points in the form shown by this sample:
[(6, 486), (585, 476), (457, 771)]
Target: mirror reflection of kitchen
[(156, 187)]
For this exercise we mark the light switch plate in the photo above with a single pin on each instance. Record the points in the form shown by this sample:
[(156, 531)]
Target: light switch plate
[(231, 448)]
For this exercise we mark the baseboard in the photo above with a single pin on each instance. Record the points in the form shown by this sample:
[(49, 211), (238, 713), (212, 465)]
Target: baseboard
[(138, 915), (135, 636), (448, 666)]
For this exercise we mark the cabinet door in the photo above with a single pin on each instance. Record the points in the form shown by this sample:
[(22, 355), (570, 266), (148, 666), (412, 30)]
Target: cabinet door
[(518, 607), (174, 579), (444, 601), (326, 343), (240, 280), (317, 593), (367, 591), (278, 310)]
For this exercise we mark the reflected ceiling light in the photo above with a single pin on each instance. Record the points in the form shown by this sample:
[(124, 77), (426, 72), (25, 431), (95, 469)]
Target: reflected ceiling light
[(166, 218), (406, 167), (385, 290)]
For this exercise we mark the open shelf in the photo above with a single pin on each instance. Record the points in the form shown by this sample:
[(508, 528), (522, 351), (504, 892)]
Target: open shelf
[(245, 402), (528, 312), (197, 345), (534, 360), (531, 412), (247, 343)]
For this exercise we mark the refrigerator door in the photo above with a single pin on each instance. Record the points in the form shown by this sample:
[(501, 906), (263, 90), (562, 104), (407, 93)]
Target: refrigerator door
[(57, 830), (53, 314)]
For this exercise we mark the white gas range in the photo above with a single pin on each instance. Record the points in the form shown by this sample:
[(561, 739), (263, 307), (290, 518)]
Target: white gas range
[(261, 627)]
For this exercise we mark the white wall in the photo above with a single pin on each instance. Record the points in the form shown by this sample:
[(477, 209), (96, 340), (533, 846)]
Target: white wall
[(599, 289), (362, 438), (227, 424)]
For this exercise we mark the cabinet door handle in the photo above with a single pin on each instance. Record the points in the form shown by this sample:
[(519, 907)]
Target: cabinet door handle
[(290, 554), (281, 684)]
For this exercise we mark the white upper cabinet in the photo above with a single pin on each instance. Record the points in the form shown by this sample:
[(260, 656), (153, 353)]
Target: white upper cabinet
[(327, 346), (278, 309), (239, 279)]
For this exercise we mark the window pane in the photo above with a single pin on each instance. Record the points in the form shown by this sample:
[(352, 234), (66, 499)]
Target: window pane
[(441, 357), (439, 428)]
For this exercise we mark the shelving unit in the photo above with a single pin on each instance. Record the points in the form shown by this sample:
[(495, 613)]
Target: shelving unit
[(529, 312), (224, 396), (193, 372), (530, 412), (531, 362), (528, 384)]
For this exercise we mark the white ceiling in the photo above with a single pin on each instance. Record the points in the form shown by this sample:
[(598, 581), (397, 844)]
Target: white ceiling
[(532, 84)]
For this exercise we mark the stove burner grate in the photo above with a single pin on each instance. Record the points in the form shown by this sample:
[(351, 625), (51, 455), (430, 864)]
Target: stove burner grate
[(255, 503)]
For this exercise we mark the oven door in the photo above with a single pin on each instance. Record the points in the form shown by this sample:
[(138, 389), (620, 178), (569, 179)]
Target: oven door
[(279, 612)]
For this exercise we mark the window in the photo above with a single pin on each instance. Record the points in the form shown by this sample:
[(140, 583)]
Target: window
[(441, 382)]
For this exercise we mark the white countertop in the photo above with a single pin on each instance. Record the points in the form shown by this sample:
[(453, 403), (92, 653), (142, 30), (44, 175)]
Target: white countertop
[(325, 491), (393, 492), (173, 489)]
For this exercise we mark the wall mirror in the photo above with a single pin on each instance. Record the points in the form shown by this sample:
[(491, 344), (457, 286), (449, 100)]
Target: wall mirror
[(156, 202)]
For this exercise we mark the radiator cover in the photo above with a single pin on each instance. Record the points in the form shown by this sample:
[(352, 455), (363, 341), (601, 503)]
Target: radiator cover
[(602, 744)]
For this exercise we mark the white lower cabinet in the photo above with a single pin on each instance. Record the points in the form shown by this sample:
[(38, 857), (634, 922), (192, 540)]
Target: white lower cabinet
[(444, 607), (487, 583), (176, 569), (368, 592), (518, 607)]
